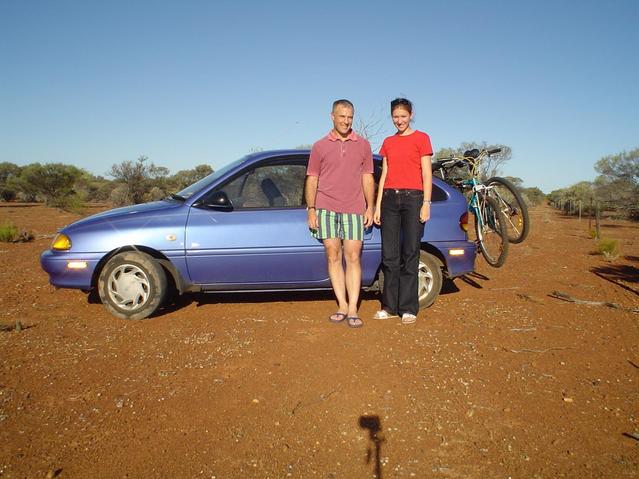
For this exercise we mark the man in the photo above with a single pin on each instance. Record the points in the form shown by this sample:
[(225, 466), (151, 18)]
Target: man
[(339, 197)]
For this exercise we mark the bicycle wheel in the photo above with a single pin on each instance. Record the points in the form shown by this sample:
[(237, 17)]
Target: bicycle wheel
[(513, 206), (492, 234)]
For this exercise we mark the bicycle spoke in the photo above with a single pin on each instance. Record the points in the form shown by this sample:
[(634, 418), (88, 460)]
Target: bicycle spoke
[(491, 231), (513, 206)]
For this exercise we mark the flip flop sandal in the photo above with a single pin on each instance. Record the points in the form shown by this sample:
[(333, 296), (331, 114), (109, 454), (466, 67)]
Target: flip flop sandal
[(354, 322), (383, 314), (337, 317), (408, 318)]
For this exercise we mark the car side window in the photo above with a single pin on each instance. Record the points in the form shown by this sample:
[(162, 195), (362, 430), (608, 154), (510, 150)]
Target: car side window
[(269, 186)]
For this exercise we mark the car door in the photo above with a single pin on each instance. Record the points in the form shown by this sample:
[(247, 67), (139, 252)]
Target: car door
[(262, 241)]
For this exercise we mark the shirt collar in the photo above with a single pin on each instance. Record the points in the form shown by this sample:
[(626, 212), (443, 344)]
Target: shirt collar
[(333, 137)]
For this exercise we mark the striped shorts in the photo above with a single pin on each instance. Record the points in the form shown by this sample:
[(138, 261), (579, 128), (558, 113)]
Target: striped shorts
[(349, 226)]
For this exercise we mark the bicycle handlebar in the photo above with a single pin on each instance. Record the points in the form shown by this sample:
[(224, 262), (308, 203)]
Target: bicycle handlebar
[(453, 162)]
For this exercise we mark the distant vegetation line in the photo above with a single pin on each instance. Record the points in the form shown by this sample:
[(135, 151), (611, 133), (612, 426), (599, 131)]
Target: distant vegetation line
[(71, 188), (616, 189)]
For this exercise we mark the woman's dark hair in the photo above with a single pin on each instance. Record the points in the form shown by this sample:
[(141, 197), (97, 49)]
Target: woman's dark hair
[(403, 102)]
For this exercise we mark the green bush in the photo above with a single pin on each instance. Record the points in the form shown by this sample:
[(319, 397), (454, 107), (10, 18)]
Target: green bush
[(609, 248), (8, 232), (71, 203)]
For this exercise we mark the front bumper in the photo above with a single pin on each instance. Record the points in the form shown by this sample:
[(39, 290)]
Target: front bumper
[(56, 264)]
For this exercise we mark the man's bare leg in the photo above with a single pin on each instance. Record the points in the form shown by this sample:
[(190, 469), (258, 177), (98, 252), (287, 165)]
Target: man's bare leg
[(333, 248), (353, 276)]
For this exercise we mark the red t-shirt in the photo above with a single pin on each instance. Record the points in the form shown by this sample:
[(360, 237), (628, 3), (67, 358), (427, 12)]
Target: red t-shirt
[(339, 165), (404, 160)]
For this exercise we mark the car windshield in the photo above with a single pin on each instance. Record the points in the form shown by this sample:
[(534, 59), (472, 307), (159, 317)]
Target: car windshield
[(198, 185)]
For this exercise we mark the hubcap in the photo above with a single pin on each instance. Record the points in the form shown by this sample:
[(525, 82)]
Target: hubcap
[(425, 280), (129, 287)]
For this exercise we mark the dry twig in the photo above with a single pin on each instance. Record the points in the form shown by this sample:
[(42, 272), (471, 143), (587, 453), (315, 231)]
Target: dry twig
[(570, 299), (535, 350)]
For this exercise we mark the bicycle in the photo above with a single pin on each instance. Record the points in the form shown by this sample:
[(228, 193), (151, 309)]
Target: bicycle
[(510, 200), (490, 221)]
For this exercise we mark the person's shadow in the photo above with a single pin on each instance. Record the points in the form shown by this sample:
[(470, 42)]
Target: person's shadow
[(375, 442)]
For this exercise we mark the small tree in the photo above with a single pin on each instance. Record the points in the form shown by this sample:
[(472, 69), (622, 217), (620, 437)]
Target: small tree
[(52, 182), (9, 173), (137, 177), (372, 128), (618, 183)]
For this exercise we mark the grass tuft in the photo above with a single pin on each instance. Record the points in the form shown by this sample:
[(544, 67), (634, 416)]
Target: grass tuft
[(609, 248), (8, 232)]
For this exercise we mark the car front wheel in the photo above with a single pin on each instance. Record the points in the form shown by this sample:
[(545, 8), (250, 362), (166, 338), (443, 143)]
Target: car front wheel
[(132, 285)]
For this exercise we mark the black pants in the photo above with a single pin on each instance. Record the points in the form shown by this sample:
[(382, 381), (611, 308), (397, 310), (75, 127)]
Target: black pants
[(401, 235)]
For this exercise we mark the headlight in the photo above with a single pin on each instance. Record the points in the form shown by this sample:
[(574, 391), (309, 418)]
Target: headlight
[(61, 242)]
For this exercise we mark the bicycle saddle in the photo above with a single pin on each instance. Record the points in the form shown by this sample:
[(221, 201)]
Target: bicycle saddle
[(474, 153)]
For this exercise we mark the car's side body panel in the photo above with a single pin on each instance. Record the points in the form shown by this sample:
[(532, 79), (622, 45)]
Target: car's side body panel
[(245, 248)]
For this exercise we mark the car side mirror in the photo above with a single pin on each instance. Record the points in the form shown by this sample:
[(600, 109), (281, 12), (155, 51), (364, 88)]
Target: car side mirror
[(217, 200)]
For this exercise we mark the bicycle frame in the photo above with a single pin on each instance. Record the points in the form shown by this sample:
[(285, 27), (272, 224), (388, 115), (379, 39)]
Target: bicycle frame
[(474, 205)]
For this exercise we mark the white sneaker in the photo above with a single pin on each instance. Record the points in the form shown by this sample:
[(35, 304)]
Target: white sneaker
[(382, 314), (408, 318)]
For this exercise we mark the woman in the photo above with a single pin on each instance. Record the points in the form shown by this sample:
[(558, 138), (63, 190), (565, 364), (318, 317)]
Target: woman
[(402, 208)]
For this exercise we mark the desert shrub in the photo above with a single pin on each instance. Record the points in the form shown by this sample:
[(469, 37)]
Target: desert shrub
[(184, 178), (609, 248), (155, 194), (26, 197), (72, 204), (119, 196), (8, 232), (7, 193)]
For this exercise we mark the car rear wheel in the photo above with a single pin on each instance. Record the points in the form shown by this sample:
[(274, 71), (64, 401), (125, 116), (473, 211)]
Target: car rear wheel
[(429, 279), (132, 285)]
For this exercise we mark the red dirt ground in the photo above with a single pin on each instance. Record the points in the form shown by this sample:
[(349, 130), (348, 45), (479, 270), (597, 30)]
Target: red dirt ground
[(496, 379)]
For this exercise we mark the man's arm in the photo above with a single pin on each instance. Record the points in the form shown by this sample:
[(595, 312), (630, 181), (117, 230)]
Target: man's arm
[(310, 192)]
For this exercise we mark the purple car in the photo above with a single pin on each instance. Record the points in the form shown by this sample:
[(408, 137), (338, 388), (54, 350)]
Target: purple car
[(242, 228)]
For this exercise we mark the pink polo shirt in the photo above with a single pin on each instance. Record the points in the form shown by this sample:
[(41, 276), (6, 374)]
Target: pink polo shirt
[(339, 165)]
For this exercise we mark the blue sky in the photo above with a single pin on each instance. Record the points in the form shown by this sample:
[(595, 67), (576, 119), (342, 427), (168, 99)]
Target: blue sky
[(94, 83)]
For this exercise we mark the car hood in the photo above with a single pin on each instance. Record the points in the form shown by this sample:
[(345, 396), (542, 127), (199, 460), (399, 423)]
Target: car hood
[(127, 212)]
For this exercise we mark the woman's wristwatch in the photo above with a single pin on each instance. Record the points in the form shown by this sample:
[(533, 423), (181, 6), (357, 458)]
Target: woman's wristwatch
[(427, 202), (309, 208)]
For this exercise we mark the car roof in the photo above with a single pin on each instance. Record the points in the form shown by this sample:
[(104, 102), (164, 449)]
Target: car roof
[(262, 155)]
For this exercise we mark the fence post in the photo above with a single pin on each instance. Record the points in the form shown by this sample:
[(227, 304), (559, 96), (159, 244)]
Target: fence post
[(597, 230)]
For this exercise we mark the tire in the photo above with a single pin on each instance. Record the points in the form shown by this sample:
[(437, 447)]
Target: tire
[(513, 206), (493, 237), (132, 285), (429, 279)]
